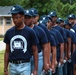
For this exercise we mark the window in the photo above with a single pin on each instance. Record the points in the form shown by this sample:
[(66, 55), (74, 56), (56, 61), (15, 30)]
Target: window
[(1, 21), (8, 20)]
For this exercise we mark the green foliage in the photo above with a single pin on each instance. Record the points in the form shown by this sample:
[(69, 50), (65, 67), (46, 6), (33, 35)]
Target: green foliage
[(62, 7), (65, 10)]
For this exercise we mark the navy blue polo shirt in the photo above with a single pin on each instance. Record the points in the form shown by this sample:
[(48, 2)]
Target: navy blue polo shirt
[(53, 34), (68, 34), (58, 34), (73, 40), (45, 29), (52, 40), (61, 30), (74, 27), (21, 42), (41, 35), (60, 40)]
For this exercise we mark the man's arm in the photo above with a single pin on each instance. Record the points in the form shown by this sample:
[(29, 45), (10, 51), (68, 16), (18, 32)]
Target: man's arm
[(73, 47), (68, 48), (65, 50), (61, 52), (45, 57), (53, 57), (49, 54), (35, 55), (6, 56)]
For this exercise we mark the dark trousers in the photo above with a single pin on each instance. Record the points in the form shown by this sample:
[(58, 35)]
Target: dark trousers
[(69, 68)]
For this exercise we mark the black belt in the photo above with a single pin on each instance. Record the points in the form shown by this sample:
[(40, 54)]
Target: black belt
[(19, 61)]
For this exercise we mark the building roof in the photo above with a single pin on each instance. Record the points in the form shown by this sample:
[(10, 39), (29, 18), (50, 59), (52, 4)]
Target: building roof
[(4, 10)]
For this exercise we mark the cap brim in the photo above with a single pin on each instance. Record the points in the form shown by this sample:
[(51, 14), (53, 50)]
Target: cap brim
[(70, 17), (13, 12), (28, 15), (35, 14)]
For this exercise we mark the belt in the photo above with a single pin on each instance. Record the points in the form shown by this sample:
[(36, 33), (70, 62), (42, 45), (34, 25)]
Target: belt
[(19, 61)]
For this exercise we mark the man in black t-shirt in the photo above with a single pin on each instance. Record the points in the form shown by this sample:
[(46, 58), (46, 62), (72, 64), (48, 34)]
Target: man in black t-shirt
[(20, 42)]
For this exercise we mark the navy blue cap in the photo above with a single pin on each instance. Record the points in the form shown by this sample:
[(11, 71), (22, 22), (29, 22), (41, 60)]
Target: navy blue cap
[(35, 12), (66, 22), (16, 9), (49, 17), (71, 16), (59, 20), (44, 19), (53, 13), (28, 13)]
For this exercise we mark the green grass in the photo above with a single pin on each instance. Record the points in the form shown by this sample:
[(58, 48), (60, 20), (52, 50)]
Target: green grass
[(1, 39), (1, 62)]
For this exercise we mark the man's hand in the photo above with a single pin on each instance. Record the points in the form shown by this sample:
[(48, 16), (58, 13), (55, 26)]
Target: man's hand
[(56, 63), (65, 58), (50, 64), (34, 72), (46, 67), (69, 56), (53, 67), (61, 60)]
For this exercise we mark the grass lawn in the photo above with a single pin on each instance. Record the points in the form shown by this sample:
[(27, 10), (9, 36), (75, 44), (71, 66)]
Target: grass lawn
[(1, 39), (1, 62)]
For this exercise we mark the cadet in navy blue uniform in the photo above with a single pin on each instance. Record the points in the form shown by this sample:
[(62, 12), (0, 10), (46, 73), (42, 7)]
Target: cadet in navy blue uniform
[(73, 42), (42, 45), (46, 21), (60, 39), (67, 46), (71, 19), (56, 26), (62, 45), (20, 41), (36, 17)]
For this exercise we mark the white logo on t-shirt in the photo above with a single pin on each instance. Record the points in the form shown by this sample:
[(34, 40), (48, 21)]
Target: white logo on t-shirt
[(18, 44)]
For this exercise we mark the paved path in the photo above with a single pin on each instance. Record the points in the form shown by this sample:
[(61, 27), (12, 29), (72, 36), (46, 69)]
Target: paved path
[(2, 45)]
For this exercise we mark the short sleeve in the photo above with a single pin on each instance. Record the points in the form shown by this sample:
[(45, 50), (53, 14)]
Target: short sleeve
[(52, 40), (33, 38), (6, 38)]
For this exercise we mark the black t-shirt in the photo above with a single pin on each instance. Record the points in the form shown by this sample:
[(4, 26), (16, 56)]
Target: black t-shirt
[(41, 35), (45, 29), (61, 30), (21, 42), (68, 34), (52, 39)]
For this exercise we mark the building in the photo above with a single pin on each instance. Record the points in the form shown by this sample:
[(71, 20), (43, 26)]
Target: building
[(5, 19)]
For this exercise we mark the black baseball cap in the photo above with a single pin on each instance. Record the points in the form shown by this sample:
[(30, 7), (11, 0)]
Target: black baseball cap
[(17, 9), (71, 16), (35, 12), (28, 13)]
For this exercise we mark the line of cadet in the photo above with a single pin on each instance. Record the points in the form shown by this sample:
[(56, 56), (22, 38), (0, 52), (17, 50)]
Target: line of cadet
[(56, 42), (62, 41)]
